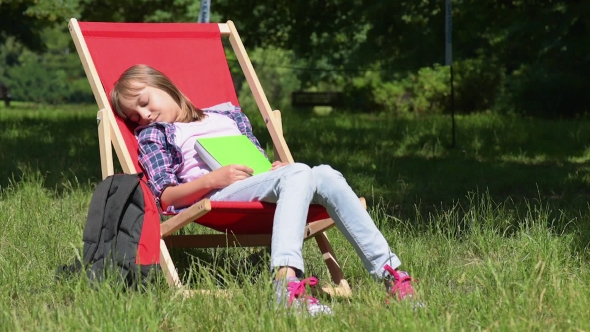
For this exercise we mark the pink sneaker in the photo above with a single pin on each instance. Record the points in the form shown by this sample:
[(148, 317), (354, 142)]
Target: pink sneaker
[(294, 296), (399, 285)]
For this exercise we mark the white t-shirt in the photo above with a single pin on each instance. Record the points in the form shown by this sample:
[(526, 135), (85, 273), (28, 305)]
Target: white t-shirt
[(213, 125)]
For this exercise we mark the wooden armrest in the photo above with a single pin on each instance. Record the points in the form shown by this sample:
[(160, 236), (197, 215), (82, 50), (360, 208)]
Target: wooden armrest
[(185, 217)]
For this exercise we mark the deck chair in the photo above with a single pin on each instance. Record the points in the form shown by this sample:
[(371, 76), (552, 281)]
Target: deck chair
[(192, 55)]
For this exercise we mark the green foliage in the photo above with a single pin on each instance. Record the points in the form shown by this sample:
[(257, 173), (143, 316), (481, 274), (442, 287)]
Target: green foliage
[(477, 83), (539, 90), (25, 20), (142, 11), (425, 91), (54, 76), (32, 81), (277, 82), (528, 56), (397, 38)]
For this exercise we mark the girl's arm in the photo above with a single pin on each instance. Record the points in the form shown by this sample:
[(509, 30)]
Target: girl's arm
[(186, 194), (158, 159)]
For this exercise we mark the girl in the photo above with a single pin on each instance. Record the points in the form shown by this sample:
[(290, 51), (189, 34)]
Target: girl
[(169, 126)]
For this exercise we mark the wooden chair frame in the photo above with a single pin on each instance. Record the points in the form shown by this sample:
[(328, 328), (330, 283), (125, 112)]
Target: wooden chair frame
[(110, 137)]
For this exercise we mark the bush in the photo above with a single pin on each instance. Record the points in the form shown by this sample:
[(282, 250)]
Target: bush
[(540, 90), (423, 91), (31, 81), (53, 77), (478, 83), (277, 80), (428, 90)]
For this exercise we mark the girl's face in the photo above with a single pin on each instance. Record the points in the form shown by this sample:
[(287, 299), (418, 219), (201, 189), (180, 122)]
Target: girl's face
[(150, 105)]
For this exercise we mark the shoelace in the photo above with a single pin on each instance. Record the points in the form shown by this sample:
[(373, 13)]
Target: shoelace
[(297, 290), (402, 284)]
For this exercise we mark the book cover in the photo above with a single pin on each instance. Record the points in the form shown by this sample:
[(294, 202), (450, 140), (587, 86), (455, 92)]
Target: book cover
[(221, 151)]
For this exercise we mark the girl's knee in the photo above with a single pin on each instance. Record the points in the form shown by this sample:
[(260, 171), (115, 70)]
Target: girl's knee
[(326, 173), (300, 171), (299, 168)]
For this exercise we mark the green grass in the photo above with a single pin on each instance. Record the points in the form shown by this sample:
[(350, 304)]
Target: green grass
[(496, 230)]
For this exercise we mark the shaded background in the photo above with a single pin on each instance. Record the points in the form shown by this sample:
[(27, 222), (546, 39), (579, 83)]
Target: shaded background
[(527, 57)]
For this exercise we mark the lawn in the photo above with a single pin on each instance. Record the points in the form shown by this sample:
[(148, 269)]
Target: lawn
[(495, 230)]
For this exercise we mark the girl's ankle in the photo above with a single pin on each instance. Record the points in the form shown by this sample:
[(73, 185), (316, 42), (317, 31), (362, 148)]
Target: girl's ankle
[(286, 272)]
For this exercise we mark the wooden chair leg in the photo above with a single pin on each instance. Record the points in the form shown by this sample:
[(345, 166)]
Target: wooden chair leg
[(342, 288), (168, 266), (174, 281)]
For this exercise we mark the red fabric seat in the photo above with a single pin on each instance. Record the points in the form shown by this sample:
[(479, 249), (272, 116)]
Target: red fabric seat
[(249, 217)]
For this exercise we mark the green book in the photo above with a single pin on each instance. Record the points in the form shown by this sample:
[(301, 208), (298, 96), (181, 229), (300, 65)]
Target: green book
[(221, 151)]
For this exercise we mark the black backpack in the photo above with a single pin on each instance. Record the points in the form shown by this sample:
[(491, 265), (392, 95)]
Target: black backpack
[(122, 232)]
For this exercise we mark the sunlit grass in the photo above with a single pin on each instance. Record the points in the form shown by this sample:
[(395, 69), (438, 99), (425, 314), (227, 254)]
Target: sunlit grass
[(496, 230)]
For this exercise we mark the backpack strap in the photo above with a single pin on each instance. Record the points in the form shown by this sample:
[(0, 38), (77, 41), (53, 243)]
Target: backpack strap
[(96, 210), (116, 190)]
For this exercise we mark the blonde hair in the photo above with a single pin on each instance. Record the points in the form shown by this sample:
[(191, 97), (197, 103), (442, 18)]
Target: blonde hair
[(144, 74)]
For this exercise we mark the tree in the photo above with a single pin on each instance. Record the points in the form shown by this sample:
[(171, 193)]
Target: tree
[(540, 45), (140, 10), (25, 19), (519, 49)]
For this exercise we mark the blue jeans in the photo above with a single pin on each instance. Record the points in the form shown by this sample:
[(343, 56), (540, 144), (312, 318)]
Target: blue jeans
[(293, 188)]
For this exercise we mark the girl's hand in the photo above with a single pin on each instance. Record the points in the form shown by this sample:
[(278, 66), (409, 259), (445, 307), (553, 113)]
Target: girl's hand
[(278, 164), (226, 175)]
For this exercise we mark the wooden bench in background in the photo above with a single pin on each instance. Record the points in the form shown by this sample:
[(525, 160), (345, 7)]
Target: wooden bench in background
[(311, 99)]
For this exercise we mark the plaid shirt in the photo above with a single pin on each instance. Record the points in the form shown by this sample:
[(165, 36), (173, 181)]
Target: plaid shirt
[(161, 158)]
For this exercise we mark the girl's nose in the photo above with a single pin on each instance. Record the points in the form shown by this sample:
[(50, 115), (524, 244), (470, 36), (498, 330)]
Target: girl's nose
[(145, 114)]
